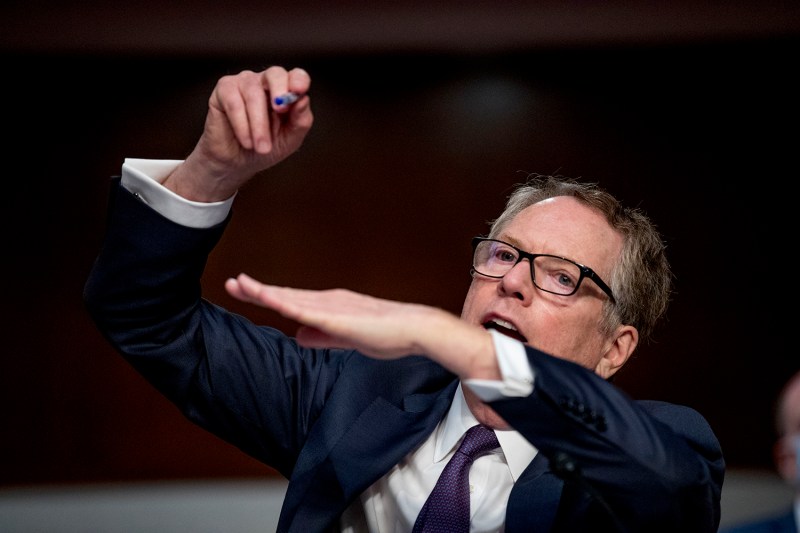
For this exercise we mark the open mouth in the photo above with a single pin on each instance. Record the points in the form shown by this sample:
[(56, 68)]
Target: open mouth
[(504, 327)]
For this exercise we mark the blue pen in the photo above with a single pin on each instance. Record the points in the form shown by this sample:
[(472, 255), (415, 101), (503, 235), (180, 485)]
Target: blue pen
[(287, 98)]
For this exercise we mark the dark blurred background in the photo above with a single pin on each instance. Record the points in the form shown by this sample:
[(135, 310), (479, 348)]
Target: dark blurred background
[(426, 115)]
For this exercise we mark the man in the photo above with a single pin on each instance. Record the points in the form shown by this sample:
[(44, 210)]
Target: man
[(363, 410), (786, 455)]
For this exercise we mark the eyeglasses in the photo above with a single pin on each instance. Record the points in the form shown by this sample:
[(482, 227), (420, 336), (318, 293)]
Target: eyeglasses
[(550, 273)]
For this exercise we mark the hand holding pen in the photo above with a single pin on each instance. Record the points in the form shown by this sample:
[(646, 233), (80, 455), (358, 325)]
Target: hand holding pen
[(245, 132)]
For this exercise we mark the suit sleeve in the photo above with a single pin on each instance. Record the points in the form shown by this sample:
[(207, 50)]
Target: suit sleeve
[(219, 369), (656, 466)]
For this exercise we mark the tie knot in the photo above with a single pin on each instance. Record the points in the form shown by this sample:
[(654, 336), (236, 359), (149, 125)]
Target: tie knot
[(477, 441)]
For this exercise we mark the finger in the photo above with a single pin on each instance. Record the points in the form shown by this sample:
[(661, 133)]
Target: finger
[(276, 83), (234, 289), (246, 289), (299, 80), (244, 285), (300, 116), (255, 94), (297, 83), (227, 98), (280, 299)]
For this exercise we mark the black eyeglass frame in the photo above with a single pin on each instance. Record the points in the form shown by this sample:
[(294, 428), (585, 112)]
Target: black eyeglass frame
[(585, 271)]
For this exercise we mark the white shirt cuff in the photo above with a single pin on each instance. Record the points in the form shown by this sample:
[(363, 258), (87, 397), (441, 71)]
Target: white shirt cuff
[(143, 178), (517, 374)]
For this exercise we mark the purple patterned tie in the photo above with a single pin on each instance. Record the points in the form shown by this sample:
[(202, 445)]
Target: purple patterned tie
[(447, 508)]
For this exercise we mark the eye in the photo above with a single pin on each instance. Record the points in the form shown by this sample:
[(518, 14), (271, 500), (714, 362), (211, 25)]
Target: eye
[(556, 275), (504, 254), (564, 280)]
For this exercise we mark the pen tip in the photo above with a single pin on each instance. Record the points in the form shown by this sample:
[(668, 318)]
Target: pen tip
[(286, 99)]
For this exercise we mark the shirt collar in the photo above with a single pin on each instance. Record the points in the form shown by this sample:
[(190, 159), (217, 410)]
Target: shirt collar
[(517, 450)]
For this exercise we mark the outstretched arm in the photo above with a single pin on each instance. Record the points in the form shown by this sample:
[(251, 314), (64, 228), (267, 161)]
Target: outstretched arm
[(379, 328)]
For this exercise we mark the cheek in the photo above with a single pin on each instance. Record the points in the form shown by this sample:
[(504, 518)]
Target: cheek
[(471, 310), (569, 336)]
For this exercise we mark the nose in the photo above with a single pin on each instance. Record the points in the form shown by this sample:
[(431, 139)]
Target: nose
[(518, 282)]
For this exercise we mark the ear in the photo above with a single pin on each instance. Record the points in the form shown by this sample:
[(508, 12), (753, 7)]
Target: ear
[(617, 351)]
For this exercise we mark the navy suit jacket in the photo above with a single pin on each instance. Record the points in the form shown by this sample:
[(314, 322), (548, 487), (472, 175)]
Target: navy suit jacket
[(334, 421)]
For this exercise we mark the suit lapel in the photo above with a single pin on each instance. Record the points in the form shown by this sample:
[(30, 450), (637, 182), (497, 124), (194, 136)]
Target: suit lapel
[(359, 452)]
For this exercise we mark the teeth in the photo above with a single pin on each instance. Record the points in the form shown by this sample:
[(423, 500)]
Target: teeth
[(503, 323)]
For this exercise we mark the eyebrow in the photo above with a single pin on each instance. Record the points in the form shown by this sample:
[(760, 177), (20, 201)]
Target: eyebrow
[(511, 240)]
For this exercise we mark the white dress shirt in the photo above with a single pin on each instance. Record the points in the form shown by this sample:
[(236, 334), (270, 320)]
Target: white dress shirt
[(392, 503)]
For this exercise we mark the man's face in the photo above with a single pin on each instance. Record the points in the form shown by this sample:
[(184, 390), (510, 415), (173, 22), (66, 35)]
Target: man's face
[(564, 326)]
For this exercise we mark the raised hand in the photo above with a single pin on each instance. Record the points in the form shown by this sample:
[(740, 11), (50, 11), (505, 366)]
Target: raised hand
[(245, 132)]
